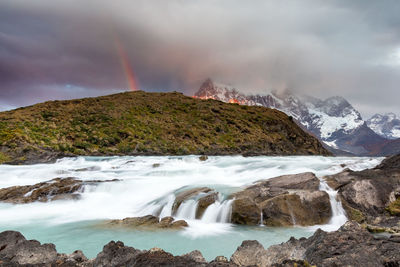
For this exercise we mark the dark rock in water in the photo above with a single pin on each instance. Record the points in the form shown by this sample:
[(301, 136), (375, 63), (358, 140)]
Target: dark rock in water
[(351, 245), (56, 189), (148, 221), (156, 165), (204, 202), (203, 158), (284, 200), (116, 254), (15, 249), (390, 163), (370, 193)]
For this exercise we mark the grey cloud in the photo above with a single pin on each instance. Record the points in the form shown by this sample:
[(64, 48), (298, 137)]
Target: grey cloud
[(321, 48)]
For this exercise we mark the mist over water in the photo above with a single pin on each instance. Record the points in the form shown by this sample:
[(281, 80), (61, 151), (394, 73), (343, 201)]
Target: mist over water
[(148, 185)]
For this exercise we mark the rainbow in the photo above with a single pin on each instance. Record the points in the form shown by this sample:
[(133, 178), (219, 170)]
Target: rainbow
[(125, 64)]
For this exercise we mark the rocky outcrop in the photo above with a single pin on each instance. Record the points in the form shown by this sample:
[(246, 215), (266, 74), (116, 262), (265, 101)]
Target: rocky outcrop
[(148, 221), (281, 201), (203, 195), (351, 245), (370, 193), (55, 189), (15, 250)]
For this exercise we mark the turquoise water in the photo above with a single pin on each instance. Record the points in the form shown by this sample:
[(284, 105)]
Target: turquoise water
[(145, 189), (91, 239)]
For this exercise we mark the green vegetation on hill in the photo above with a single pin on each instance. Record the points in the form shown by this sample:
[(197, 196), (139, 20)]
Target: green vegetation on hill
[(140, 123)]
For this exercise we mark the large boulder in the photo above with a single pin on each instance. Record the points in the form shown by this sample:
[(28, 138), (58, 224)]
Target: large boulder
[(281, 201), (15, 249), (55, 189), (370, 193)]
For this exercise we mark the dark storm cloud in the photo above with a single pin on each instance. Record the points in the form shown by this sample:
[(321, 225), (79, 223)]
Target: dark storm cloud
[(63, 49)]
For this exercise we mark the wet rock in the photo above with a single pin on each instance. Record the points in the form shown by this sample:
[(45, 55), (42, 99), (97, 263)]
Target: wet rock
[(77, 258), (304, 181), (16, 250), (203, 158), (156, 165), (204, 202), (302, 207), (196, 256), (148, 221), (281, 201), (351, 245), (116, 254), (55, 189), (370, 193)]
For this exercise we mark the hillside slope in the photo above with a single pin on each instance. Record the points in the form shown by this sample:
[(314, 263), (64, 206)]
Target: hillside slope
[(140, 123)]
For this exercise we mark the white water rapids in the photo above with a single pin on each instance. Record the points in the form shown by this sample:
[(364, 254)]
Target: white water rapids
[(148, 186)]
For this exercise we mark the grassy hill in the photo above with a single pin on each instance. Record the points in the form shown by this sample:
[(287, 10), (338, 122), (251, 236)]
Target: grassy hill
[(140, 123)]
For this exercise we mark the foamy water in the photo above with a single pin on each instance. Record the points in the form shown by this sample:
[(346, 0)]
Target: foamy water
[(148, 186)]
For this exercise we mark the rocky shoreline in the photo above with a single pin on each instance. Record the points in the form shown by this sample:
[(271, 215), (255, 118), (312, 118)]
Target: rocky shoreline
[(351, 245)]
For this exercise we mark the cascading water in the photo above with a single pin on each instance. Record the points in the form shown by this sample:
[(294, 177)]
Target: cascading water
[(148, 185), (218, 212), (338, 213), (187, 210)]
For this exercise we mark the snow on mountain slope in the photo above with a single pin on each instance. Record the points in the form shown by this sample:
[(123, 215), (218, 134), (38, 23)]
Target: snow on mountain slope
[(387, 125), (331, 120)]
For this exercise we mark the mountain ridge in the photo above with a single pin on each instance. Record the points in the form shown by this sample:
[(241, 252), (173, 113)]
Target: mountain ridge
[(333, 120)]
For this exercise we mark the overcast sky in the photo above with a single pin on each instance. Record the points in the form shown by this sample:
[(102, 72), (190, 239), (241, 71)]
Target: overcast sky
[(66, 48)]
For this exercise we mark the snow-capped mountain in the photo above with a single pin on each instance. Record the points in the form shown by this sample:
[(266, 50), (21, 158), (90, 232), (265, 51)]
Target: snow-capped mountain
[(333, 120), (387, 125)]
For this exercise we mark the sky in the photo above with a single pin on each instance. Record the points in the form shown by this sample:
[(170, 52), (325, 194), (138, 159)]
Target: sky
[(72, 48)]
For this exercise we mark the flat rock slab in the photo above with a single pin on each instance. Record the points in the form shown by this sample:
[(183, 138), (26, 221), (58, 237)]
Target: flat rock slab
[(149, 222), (55, 189)]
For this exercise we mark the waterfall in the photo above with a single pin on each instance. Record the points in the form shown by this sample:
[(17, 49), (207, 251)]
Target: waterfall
[(291, 212), (338, 213), (218, 212), (261, 218), (187, 209), (167, 208)]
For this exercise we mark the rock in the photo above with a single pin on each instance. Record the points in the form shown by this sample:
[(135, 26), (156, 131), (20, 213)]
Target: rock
[(302, 208), (73, 259), (15, 249), (281, 201), (156, 165), (203, 158), (304, 181), (55, 189), (194, 193), (351, 245), (116, 254), (148, 221), (196, 256), (370, 193), (249, 253), (179, 224), (204, 202), (390, 163)]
